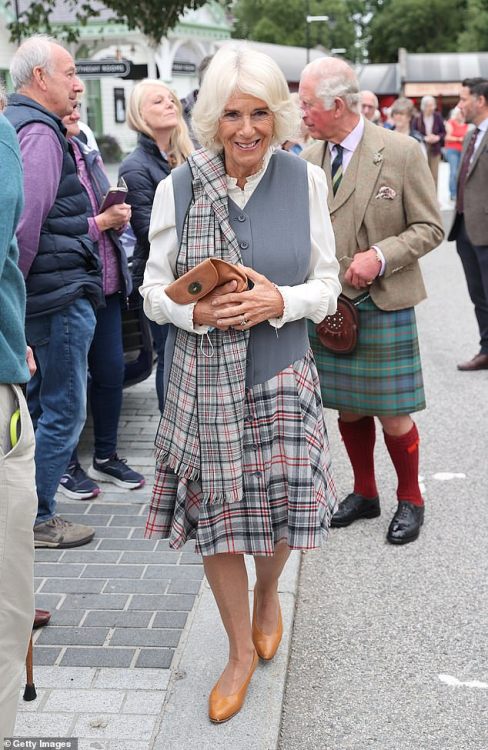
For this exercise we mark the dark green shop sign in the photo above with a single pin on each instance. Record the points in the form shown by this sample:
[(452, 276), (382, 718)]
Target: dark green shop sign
[(101, 68)]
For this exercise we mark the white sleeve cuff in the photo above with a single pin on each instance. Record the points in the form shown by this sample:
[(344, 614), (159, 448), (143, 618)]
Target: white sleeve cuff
[(163, 310), (310, 300), (379, 252)]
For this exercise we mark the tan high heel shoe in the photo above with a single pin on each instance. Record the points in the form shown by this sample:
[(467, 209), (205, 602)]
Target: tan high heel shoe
[(266, 645), (223, 707)]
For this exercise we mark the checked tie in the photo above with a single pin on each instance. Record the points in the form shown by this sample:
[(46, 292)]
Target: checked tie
[(336, 170), (463, 172)]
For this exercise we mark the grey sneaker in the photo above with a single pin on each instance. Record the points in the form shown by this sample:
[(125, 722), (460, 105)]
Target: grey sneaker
[(59, 533)]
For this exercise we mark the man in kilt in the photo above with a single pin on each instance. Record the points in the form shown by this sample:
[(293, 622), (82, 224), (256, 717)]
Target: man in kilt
[(384, 212)]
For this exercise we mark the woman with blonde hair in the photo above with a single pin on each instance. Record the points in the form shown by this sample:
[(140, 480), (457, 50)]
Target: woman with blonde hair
[(163, 142), (242, 452)]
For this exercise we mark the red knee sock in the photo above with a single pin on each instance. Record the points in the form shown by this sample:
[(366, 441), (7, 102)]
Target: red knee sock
[(359, 438), (404, 452)]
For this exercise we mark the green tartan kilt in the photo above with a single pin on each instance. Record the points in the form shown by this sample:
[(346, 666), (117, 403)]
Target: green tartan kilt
[(383, 375)]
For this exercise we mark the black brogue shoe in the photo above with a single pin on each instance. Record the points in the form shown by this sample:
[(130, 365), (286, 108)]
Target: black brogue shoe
[(405, 524), (354, 507)]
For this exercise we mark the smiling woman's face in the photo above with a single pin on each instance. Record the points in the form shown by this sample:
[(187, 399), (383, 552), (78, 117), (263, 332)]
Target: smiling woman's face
[(245, 131)]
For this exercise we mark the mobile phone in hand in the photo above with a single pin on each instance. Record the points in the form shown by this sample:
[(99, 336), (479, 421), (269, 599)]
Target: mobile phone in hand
[(114, 195)]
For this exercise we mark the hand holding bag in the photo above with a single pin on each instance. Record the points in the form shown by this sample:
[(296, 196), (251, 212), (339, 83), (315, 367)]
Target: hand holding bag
[(203, 279), (339, 332)]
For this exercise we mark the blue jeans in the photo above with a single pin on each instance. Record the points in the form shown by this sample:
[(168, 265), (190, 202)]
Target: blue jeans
[(106, 366), (57, 393), (159, 334), (453, 158)]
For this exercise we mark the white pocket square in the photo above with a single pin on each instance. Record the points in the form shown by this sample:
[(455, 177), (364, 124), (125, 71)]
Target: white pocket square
[(387, 193)]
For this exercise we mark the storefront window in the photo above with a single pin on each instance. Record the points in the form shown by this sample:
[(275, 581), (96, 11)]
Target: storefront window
[(93, 106)]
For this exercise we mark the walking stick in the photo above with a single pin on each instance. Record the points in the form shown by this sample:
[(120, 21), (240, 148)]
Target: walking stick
[(30, 689)]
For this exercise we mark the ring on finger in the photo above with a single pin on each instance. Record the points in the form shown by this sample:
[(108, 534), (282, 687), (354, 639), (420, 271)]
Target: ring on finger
[(244, 322)]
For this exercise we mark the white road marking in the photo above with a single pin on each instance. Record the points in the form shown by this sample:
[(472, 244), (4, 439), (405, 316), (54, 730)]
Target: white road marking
[(443, 476), (423, 488), (454, 682)]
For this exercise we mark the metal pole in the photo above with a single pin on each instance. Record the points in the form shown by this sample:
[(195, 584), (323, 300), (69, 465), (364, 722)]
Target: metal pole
[(16, 8), (307, 29)]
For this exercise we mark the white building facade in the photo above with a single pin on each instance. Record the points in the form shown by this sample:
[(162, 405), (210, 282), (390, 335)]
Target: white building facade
[(175, 60)]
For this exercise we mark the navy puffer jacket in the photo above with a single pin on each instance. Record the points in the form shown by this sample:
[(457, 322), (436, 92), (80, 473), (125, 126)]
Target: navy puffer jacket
[(142, 170), (67, 265)]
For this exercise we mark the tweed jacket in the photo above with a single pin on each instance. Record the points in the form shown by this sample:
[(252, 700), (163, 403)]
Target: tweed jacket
[(386, 198), (475, 195)]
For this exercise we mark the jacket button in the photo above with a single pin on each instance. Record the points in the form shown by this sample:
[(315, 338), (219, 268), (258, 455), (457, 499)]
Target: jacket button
[(195, 287), (244, 245), (241, 217)]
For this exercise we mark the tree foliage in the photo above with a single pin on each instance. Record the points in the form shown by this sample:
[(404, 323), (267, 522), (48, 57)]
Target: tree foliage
[(284, 22), (373, 29), (415, 24), (153, 17), (474, 37)]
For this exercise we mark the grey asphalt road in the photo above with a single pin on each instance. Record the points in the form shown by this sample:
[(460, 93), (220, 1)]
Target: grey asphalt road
[(390, 648)]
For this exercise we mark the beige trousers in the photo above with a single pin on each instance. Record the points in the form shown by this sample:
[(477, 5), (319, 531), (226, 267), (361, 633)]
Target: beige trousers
[(433, 162), (18, 507)]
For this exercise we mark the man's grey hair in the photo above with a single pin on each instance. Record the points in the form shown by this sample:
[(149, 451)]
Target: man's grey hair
[(33, 53), (371, 93), (425, 101), (335, 78)]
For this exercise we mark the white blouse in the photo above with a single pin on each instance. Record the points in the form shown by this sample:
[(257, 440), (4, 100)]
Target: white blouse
[(314, 299)]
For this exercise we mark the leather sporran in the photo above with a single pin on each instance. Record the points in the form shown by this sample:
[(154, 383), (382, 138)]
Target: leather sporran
[(339, 332)]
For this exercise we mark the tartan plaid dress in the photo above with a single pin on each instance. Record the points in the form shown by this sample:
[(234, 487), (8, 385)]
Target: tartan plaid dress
[(383, 375), (289, 493)]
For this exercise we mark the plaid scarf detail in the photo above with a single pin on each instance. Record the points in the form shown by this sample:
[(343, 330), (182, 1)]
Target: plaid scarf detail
[(200, 434)]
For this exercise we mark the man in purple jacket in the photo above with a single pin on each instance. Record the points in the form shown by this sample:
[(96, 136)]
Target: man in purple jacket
[(61, 268)]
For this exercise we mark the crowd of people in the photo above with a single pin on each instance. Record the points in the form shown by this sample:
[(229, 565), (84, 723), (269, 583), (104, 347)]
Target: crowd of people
[(243, 246), (426, 124)]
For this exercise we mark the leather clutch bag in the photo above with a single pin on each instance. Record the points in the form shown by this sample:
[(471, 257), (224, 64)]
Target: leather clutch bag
[(203, 279), (339, 332)]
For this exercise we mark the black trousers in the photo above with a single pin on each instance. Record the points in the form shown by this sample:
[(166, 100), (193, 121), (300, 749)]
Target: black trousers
[(475, 263)]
